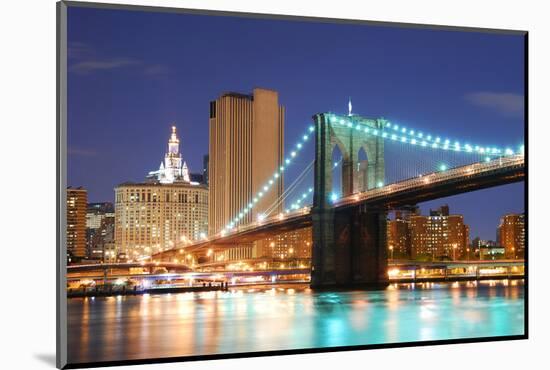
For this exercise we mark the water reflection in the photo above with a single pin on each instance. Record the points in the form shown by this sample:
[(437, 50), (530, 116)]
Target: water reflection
[(288, 317)]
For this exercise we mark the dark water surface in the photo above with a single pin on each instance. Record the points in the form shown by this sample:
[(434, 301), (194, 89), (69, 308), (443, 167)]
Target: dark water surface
[(288, 317)]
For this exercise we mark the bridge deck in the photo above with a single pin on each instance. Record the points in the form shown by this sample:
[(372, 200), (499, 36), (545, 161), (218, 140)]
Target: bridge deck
[(476, 176)]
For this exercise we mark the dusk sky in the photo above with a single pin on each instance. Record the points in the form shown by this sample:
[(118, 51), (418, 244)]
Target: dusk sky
[(132, 74)]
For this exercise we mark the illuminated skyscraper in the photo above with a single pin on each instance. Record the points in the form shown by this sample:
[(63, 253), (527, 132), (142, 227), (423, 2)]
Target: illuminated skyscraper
[(77, 200), (511, 235), (165, 212), (246, 149)]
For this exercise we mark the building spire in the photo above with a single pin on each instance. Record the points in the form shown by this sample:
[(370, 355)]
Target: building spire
[(172, 169), (174, 142), (349, 106)]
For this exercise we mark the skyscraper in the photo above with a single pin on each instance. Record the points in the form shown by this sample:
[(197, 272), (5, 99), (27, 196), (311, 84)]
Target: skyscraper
[(511, 235), (165, 212), (77, 200), (246, 148)]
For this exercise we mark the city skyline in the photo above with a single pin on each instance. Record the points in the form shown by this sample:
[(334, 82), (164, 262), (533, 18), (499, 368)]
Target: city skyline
[(243, 184), (125, 138)]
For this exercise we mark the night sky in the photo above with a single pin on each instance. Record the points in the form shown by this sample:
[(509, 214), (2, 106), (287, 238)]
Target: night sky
[(133, 74)]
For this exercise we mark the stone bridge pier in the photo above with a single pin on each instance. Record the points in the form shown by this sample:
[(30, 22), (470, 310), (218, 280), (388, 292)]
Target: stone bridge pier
[(349, 245), (349, 248)]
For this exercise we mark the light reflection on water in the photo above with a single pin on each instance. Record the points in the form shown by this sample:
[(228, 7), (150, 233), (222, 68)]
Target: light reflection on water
[(288, 317)]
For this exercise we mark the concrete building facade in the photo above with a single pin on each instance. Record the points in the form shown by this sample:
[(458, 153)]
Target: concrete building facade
[(399, 236), (511, 235), (167, 211), (77, 200), (439, 235)]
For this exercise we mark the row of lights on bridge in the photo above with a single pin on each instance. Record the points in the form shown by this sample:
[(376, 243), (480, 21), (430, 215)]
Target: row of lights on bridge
[(412, 137), (401, 134), (272, 181)]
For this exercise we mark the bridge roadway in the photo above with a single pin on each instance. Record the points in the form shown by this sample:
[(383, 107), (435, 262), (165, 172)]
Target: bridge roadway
[(74, 272), (126, 265), (476, 176), (221, 274)]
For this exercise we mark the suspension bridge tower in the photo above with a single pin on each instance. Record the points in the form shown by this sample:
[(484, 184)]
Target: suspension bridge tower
[(349, 245)]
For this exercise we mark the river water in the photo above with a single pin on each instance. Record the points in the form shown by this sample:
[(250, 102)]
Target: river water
[(288, 317)]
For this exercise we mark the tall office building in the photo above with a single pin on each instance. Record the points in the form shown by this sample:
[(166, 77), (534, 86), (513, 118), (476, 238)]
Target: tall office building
[(205, 160), (77, 200), (511, 235), (165, 212), (246, 149), (439, 235)]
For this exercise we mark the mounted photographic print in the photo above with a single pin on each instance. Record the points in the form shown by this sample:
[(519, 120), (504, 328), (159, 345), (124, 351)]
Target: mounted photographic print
[(236, 185)]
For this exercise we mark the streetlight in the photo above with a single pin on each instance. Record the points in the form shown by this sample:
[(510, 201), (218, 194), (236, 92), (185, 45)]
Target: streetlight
[(513, 253), (468, 254), (391, 252)]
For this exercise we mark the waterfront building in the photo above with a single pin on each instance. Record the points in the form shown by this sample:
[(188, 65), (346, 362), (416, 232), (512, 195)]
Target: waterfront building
[(477, 243), (102, 241), (246, 148), (166, 211), (490, 252), (292, 244), (77, 199), (439, 235), (511, 235), (399, 236), (96, 214), (290, 247)]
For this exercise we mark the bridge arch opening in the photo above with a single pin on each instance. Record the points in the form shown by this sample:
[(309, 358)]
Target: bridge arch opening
[(337, 158), (361, 170)]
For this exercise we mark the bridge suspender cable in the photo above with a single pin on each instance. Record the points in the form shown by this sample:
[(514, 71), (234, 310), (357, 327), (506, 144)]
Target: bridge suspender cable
[(271, 181), (391, 132), (291, 188)]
